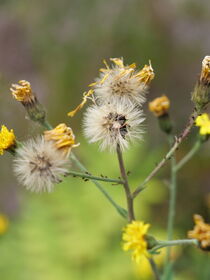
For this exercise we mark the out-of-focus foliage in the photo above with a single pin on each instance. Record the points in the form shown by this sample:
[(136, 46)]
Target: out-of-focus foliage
[(58, 46)]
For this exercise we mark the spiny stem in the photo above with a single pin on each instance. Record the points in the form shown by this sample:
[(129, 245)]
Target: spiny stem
[(178, 141), (89, 176), (119, 209), (188, 156), (154, 268), (124, 176)]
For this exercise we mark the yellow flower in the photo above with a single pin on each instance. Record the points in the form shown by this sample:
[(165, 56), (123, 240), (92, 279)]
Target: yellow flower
[(7, 139), (134, 239), (204, 122), (160, 106), (63, 138), (201, 232), (4, 223), (205, 72), (22, 92)]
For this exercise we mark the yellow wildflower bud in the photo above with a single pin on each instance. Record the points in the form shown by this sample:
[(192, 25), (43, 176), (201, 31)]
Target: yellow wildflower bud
[(7, 139), (134, 237), (203, 122), (201, 232), (4, 223), (160, 106), (63, 138), (22, 92)]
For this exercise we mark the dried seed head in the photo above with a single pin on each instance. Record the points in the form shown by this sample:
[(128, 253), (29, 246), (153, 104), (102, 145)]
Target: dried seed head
[(121, 82), (113, 124), (38, 165)]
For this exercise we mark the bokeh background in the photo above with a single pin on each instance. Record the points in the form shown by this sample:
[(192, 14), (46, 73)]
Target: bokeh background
[(73, 233)]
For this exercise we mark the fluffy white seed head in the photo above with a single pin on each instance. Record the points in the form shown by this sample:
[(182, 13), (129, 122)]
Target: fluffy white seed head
[(38, 165), (123, 83), (112, 124)]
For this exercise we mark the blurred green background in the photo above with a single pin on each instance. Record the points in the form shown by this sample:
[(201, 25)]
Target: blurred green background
[(74, 233)]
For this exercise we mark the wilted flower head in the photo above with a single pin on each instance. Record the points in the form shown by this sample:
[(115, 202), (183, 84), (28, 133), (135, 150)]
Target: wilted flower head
[(22, 92), (201, 232), (203, 122), (122, 82), (200, 95), (39, 165), (134, 239), (62, 137), (113, 124), (160, 106), (205, 72), (7, 139)]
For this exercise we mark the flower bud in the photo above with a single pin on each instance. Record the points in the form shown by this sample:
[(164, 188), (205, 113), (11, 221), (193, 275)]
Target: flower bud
[(22, 92), (159, 107), (200, 95)]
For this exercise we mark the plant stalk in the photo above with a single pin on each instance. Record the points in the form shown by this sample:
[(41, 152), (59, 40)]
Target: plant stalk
[(178, 141), (87, 175), (124, 176)]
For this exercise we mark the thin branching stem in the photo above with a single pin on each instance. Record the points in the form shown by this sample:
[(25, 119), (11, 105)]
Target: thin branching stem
[(119, 209), (154, 268), (188, 156), (170, 243), (87, 175), (172, 203), (124, 176), (177, 142)]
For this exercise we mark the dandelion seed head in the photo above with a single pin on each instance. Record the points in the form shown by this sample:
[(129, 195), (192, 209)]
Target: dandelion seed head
[(122, 82), (38, 165), (113, 124)]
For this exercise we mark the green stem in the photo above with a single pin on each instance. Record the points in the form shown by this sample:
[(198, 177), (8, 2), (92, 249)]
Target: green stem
[(162, 244), (178, 141), (154, 268), (119, 209), (131, 215), (172, 203), (188, 156), (89, 176)]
